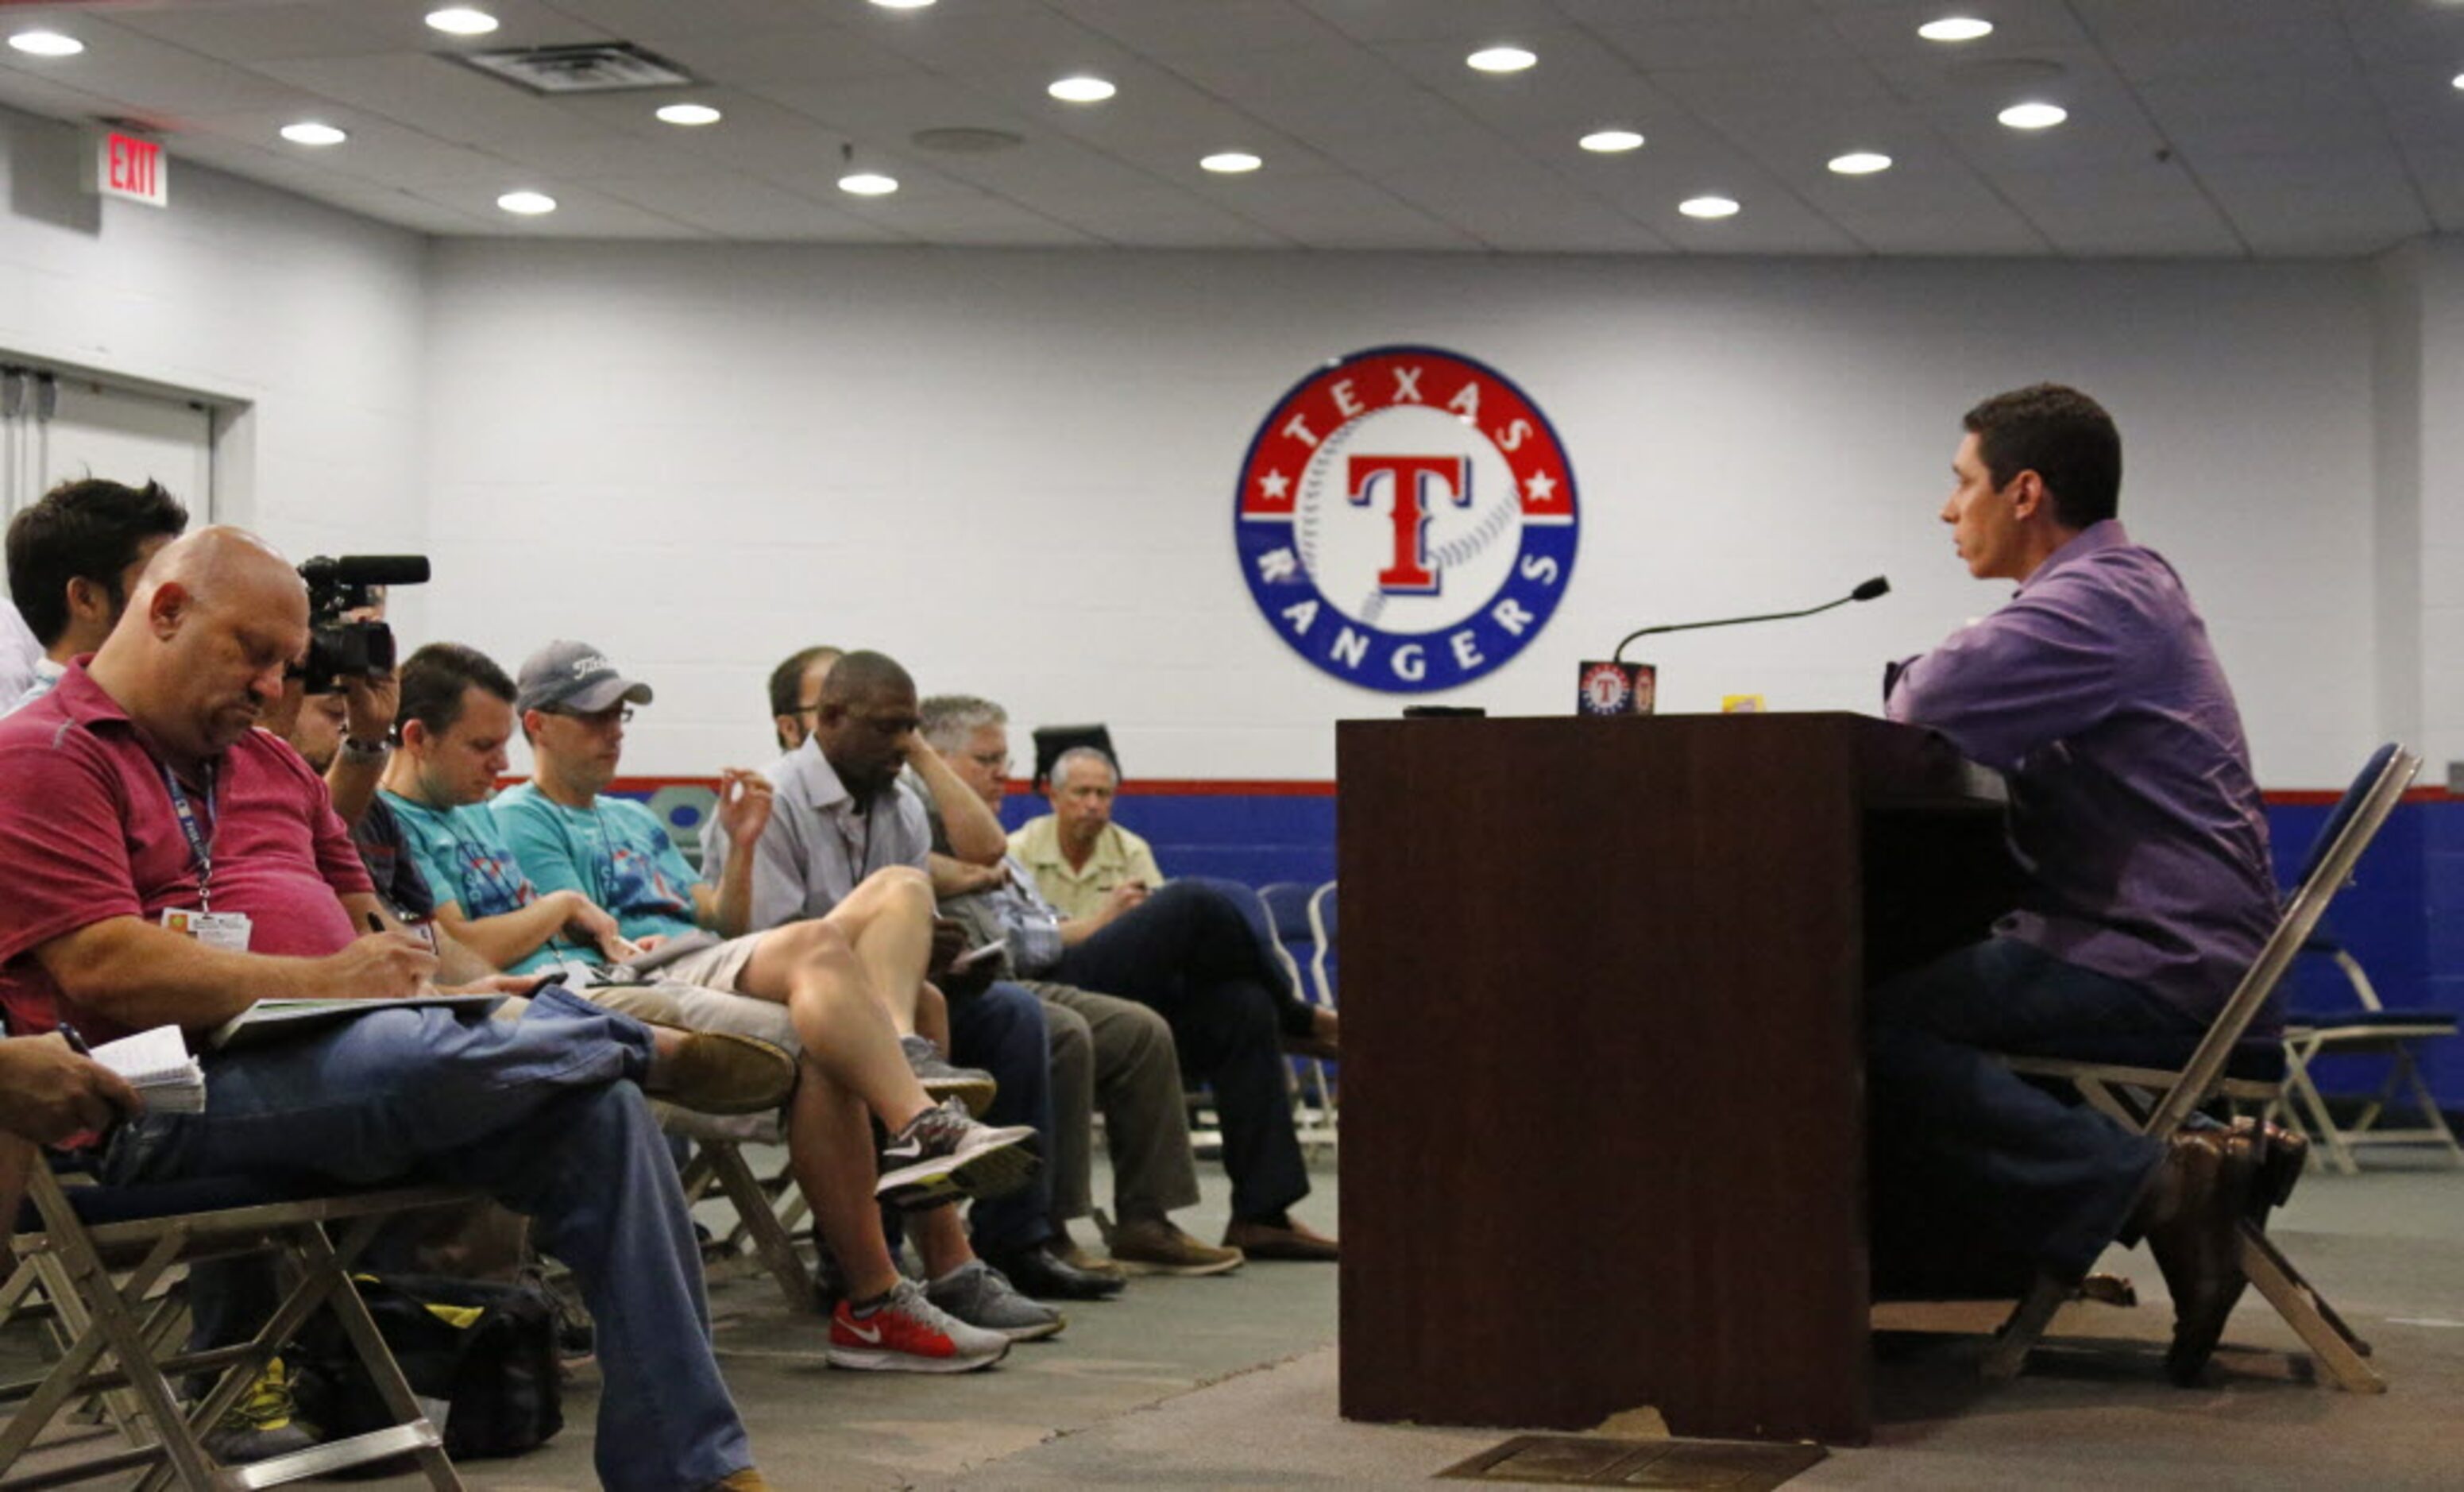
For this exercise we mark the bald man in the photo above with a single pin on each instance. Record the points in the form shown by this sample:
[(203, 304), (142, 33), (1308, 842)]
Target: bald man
[(162, 860)]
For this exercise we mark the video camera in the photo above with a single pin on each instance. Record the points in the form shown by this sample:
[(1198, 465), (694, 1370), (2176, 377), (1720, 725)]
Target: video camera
[(340, 648)]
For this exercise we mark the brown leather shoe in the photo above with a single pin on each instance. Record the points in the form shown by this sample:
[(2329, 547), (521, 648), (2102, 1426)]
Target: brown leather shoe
[(1287, 1241), (2197, 1244), (715, 1072)]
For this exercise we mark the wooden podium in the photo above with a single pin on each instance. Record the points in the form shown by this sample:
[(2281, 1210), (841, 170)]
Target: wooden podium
[(1603, 1119)]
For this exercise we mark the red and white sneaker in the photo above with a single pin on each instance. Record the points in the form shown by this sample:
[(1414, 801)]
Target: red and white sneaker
[(907, 1333)]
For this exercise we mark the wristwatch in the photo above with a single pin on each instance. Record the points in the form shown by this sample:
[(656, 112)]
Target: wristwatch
[(362, 752)]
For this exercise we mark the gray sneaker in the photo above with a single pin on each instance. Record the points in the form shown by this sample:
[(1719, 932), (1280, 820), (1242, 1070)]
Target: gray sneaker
[(942, 1155), (979, 1295), (972, 1087)]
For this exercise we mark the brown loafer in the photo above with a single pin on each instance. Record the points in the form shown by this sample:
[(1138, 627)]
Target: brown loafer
[(2198, 1246), (1286, 1240), (715, 1072)]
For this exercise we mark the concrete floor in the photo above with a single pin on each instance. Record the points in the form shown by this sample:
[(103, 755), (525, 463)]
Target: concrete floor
[(1230, 1382)]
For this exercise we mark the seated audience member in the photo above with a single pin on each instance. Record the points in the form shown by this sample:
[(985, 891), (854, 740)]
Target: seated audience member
[(841, 813), (565, 832), (74, 557), (796, 692), (1119, 1053), (2137, 822), (1081, 860), (115, 778), (1190, 951), (1091, 870)]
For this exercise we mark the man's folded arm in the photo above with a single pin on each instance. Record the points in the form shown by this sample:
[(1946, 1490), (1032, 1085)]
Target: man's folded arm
[(2031, 675)]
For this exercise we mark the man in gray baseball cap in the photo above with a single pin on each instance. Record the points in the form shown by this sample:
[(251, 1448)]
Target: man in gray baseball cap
[(574, 678)]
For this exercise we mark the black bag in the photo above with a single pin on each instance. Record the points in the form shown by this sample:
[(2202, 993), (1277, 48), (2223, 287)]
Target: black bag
[(486, 1349)]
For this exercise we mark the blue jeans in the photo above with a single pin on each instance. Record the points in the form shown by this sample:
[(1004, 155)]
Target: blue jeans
[(1969, 1156), (1190, 954), (1003, 1031), (542, 1113)]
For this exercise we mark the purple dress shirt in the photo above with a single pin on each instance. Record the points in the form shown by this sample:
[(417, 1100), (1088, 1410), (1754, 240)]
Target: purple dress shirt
[(2133, 811)]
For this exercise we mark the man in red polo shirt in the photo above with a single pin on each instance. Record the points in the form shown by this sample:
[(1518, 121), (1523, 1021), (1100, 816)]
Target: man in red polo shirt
[(164, 861)]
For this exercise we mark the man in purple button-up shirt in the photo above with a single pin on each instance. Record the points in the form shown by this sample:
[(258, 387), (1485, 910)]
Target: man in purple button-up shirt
[(2138, 829)]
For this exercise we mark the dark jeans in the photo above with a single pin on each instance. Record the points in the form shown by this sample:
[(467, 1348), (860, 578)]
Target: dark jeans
[(1003, 1031), (1973, 1161), (1188, 952)]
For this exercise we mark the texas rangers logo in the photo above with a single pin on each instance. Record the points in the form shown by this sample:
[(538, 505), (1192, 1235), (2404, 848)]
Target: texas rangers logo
[(1406, 519)]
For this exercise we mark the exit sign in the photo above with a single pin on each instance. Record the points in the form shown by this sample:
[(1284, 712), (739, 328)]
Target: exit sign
[(127, 165)]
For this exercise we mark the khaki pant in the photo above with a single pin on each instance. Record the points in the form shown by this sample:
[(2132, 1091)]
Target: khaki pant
[(1118, 1055)]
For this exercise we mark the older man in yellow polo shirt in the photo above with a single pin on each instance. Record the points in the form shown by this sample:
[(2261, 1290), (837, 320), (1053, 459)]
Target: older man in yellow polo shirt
[(1086, 864)]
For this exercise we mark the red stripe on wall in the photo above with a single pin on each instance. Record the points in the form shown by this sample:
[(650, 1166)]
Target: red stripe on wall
[(1268, 787), (1144, 787)]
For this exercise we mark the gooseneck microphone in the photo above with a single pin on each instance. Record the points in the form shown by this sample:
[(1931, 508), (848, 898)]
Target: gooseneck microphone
[(1879, 585)]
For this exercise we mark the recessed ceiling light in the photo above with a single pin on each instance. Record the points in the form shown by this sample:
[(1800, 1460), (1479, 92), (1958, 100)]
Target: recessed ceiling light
[(1860, 163), (2459, 80), (2033, 116), (1955, 28), (902, 5), (688, 114), (461, 20), (529, 204), (46, 44), (1081, 88), (308, 132), (1501, 60), (1708, 206), (868, 184), (1609, 142), (1230, 162)]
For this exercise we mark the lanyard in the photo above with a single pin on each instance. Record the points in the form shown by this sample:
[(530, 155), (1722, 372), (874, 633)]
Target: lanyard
[(201, 842)]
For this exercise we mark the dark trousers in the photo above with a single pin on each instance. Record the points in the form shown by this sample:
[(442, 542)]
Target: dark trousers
[(1002, 1031), (1188, 952), (1974, 1163)]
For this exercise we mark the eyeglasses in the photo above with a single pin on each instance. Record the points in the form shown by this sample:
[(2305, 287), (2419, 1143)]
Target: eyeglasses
[(600, 720), (991, 761)]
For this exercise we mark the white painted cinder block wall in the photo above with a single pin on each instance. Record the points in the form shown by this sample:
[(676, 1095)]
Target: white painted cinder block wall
[(1015, 471), (309, 316)]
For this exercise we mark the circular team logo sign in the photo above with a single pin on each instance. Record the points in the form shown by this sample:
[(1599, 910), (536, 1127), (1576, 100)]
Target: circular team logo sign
[(1406, 519)]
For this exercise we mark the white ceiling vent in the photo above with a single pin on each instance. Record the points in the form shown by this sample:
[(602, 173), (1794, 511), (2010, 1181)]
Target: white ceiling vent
[(587, 67)]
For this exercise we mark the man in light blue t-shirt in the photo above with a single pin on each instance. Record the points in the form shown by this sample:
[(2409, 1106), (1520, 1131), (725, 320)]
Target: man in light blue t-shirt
[(576, 840)]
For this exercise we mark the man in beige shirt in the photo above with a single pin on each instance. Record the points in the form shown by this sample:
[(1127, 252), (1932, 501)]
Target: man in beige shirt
[(1086, 864)]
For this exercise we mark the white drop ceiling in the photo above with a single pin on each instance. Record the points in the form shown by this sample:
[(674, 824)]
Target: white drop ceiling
[(2223, 128)]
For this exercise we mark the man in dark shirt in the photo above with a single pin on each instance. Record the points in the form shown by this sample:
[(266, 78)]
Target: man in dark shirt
[(2138, 826)]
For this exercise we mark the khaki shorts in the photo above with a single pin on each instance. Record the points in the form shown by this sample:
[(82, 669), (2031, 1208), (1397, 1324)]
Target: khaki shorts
[(718, 967)]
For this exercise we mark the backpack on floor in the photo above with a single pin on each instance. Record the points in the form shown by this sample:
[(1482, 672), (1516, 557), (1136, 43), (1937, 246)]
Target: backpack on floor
[(486, 1350)]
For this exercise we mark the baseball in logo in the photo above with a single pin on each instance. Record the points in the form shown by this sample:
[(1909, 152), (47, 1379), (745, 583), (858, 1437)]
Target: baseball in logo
[(1406, 519)]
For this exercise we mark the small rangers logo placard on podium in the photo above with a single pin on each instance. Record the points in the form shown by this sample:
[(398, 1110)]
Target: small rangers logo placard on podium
[(1610, 687), (1406, 519)]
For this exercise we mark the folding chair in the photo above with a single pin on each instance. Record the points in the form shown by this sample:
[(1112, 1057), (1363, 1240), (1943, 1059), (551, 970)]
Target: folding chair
[(766, 1212), (2364, 1028), (1323, 926), (99, 1257), (1288, 904), (2157, 1100)]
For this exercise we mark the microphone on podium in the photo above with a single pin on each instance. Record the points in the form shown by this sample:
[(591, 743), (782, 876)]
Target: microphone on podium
[(1613, 686)]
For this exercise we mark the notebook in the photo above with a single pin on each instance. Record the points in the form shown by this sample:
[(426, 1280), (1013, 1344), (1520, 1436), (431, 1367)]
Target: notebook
[(271, 1019), (158, 1065)]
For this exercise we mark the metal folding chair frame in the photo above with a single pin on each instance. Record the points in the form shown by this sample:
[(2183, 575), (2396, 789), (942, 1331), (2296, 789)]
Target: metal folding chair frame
[(101, 1282), (2156, 1102), (2316, 1034)]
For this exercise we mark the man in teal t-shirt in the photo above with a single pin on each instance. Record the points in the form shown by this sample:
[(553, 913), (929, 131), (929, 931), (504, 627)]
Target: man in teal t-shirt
[(615, 851)]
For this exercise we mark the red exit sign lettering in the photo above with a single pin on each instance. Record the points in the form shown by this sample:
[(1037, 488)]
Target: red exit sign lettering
[(128, 167)]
